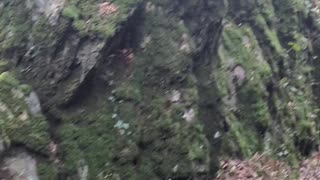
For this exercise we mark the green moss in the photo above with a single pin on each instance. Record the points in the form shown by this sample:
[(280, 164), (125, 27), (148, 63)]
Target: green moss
[(47, 171), (71, 12), (86, 138), (129, 131), (247, 140), (267, 10), (80, 25), (196, 152), (162, 64), (17, 28), (221, 75), (271, 34), (7, 78), (250, 115), (190, 96), (3, 66), (288, 12), (128, 91), (86, 17), (245, 51), (252, 118), (26, 89), (14, 25), (3, 63), (16, 122)]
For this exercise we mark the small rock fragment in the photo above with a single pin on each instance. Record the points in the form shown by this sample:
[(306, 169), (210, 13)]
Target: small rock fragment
[(189, 115), (33, 103), (175, 96)]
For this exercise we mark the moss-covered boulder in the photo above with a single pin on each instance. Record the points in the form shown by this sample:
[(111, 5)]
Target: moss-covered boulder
[(18, 125)]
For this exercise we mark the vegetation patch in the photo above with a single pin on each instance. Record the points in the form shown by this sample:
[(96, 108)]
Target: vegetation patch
[(18, 126), (99, 18)]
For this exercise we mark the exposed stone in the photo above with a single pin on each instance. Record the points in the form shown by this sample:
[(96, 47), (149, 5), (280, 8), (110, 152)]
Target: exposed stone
[(83, 170), (21, 166), (24, 116), (150, 7), (189, 115), (238, 75), (33, 103), (88, 55), (51, 8), (175, 96), (146, 41)]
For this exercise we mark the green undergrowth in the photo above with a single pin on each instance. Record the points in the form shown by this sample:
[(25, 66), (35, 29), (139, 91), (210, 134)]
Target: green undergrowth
[(87, 18), (46, 170), (17, 28), (270, 33), (4, 65), (241, 48), (289, 13), (14, 24), (136, 132), (131, 140), (92, 139), (260, 121), (18, 126), (161, 69)]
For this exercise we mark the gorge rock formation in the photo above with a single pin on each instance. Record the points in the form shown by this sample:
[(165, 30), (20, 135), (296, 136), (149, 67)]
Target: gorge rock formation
[(158, 89)]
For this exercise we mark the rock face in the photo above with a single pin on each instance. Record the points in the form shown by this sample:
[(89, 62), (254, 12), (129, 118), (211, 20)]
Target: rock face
[(159, 89), (19, 167), (50, 8), (18, 125)]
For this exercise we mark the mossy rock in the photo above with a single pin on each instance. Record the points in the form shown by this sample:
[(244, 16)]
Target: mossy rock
[(17, 123), (145, 137), (128, 91), (87, 17)]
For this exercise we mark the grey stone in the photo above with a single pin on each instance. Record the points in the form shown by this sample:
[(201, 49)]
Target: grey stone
[(33, 103), (51, 8), (20, 167)]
